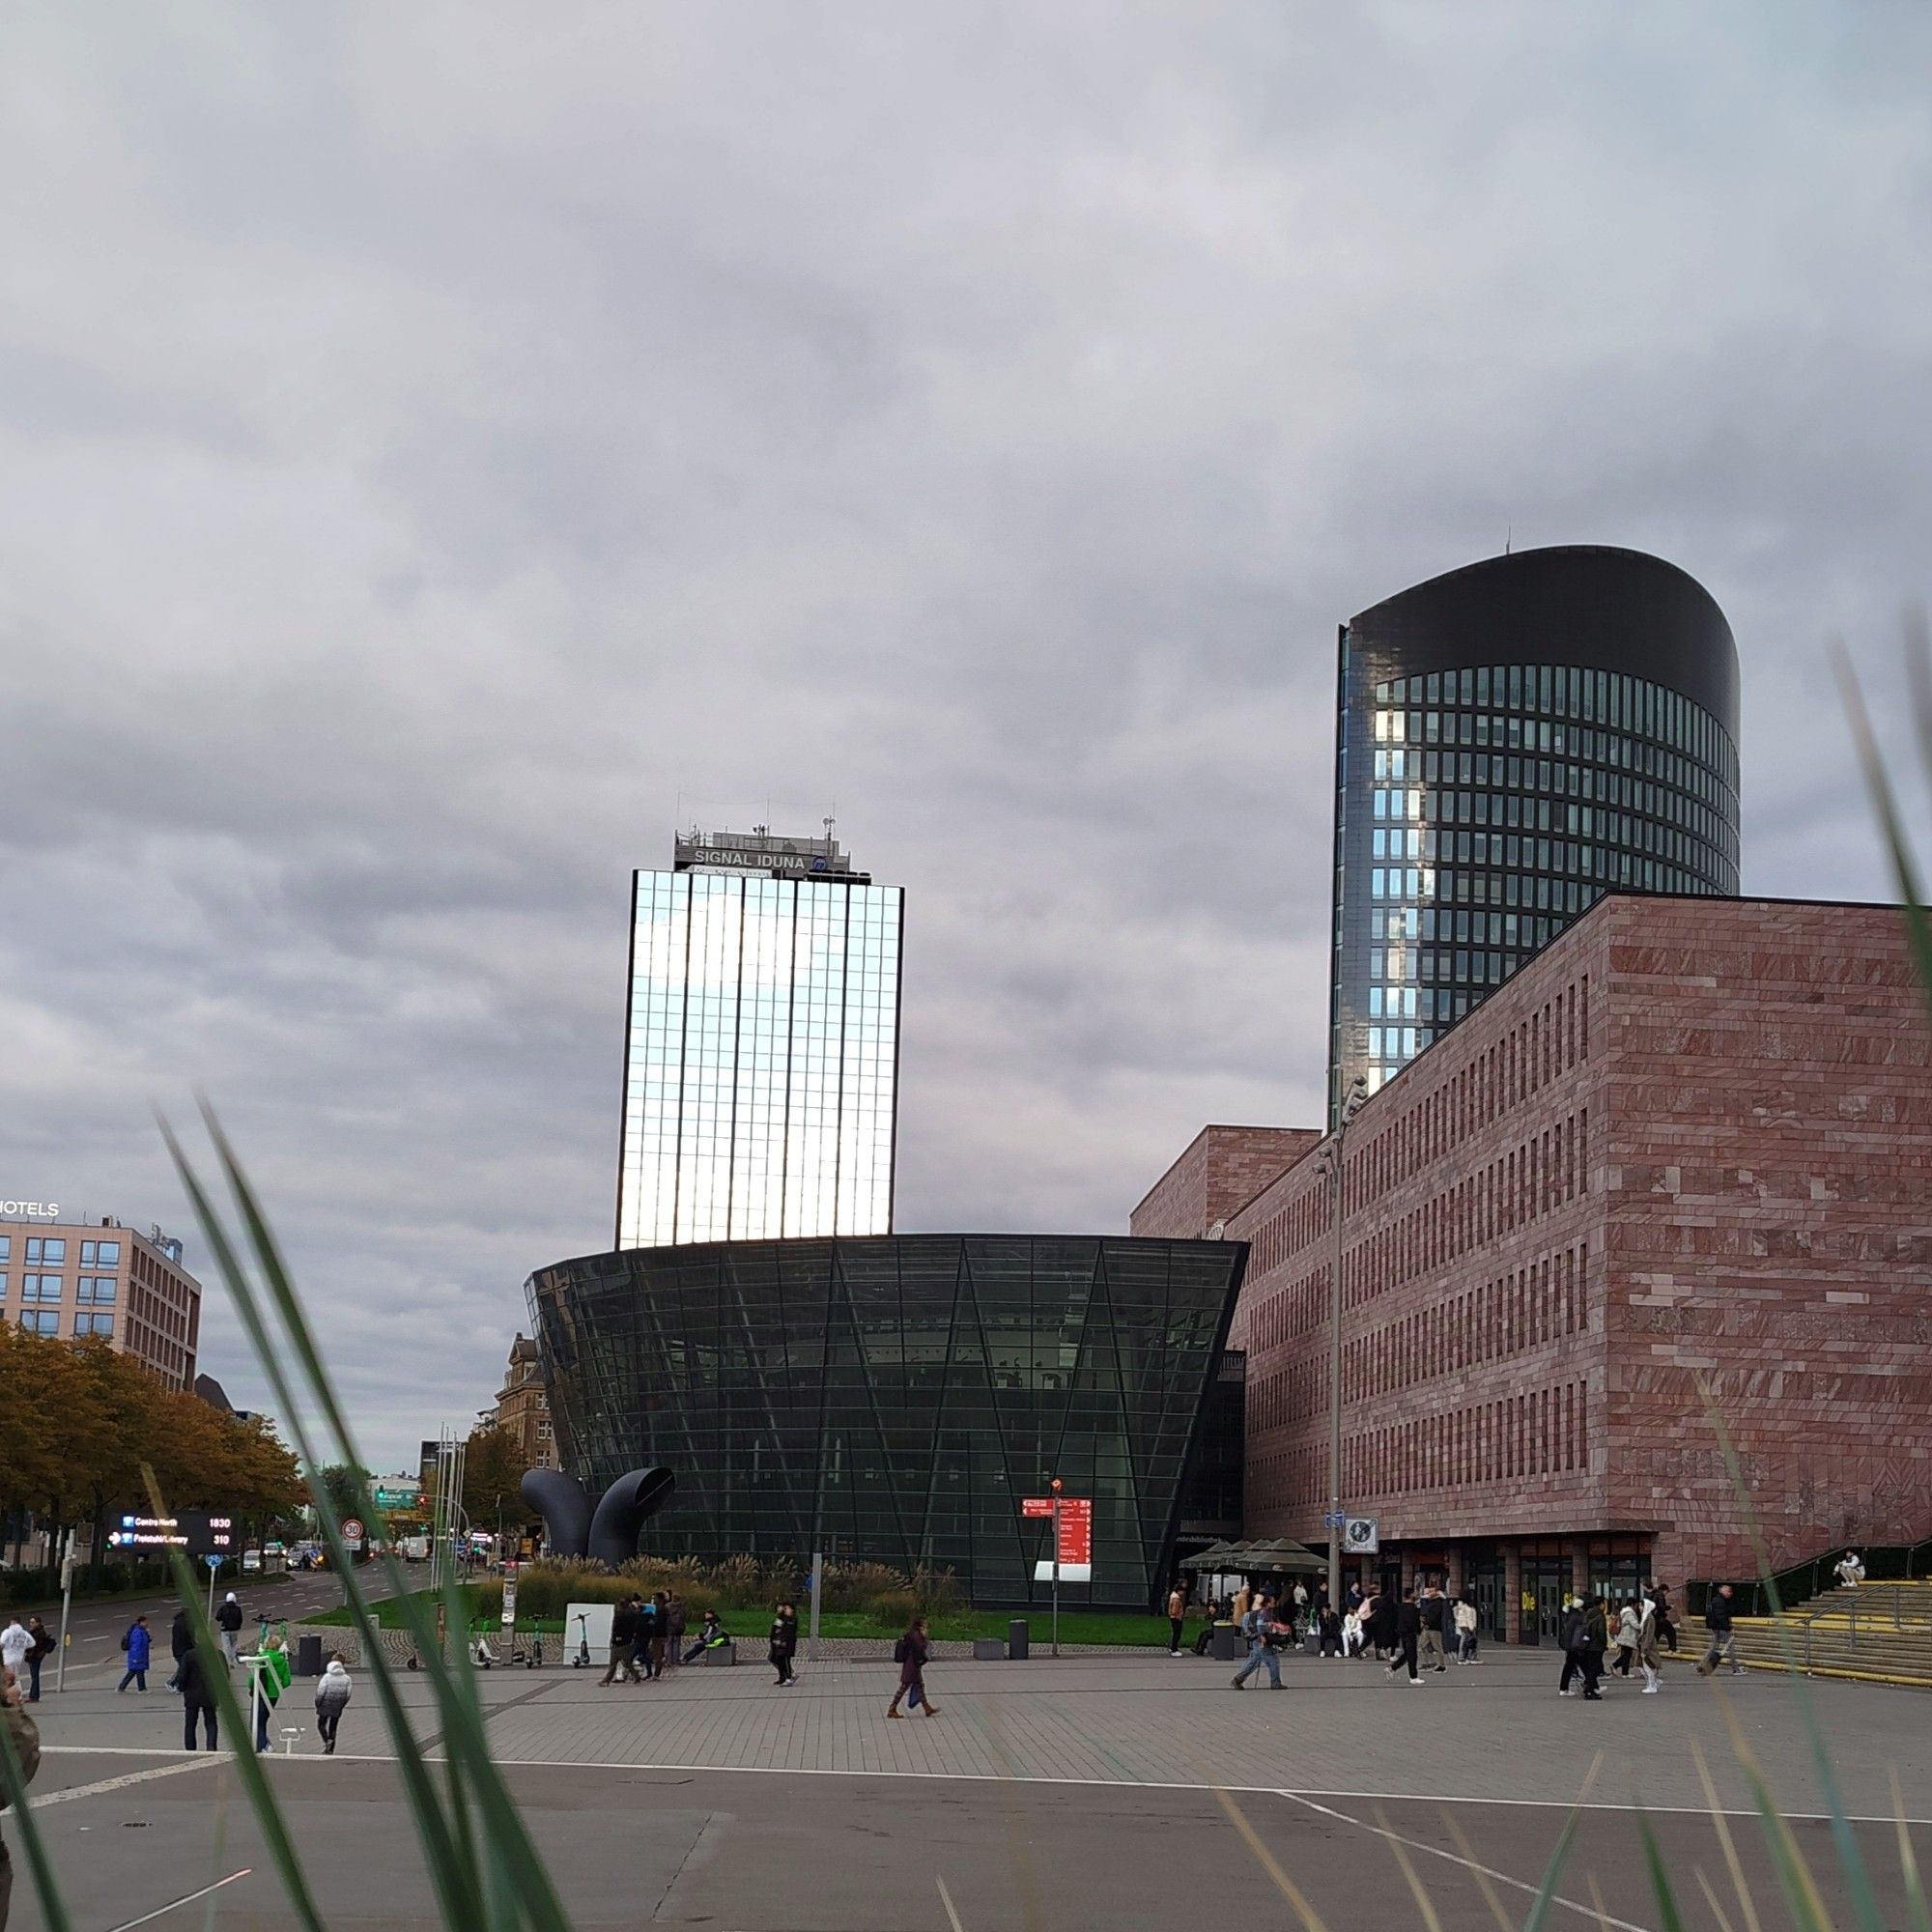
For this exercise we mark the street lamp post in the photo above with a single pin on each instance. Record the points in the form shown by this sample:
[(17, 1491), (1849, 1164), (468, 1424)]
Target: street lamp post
[(1332, 1157)]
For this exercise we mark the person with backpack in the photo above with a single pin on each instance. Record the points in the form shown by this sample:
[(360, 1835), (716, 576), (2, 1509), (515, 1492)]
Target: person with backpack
[(23, 1740), (785, 1644), (138, 1643), (194, 1679), (228, 1621), (332, 1690), (910, 1654), (1255, 1627), (45, 1644)]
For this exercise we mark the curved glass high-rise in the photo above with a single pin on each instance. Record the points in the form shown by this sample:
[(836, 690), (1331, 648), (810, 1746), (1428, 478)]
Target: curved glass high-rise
[(1516, 739)]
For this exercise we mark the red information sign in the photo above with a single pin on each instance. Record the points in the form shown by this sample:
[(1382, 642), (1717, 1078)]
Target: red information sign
[(1076, 1526)]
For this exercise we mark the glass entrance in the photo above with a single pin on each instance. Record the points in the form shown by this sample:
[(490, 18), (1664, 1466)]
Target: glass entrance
[(1483, 1574), (1546, 1582)]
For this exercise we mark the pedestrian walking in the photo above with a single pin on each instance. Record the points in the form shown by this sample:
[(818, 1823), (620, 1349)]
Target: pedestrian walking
[(623, 1642), (911, 1653), (1594, 1639), (660, 1634), (1176, 1617), (785, 1644), (1261, 1652), (1407, 1637), (44, 1645), (1667, 1630), (228, 1621), (1648, 1658), (1723, 1640), (1629, 1623), (272, 1678), (1434, 1610), (674, 1629), (333, 1691), (1465, 1618), (194, 1679), (1850, 1570), (1382, 1624), (1569, 1641), (139, 1645), (646, 1637), (25, 1735)]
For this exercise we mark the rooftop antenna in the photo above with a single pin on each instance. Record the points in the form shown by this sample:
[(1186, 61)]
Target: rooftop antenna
[(829, 823)]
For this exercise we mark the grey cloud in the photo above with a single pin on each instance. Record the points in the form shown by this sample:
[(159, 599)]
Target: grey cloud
[(436, 453)]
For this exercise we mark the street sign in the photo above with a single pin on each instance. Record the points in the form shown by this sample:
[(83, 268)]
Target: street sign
[(212, 1561), (1361, 1536), (509, 1596), (1334, 1518), (1076, 1537), (352, 1530)]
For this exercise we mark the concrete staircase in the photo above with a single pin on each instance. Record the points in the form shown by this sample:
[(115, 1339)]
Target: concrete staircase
[(1878, 1634)]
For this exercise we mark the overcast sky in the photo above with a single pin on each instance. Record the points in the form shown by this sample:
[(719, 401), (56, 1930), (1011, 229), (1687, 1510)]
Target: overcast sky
[(444, 447)]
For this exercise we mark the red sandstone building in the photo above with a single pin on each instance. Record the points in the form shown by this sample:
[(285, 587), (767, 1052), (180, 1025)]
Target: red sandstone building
[(1677, 1167)]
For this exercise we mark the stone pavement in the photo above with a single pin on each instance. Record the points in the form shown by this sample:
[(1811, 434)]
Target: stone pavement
[(1493, 1731)]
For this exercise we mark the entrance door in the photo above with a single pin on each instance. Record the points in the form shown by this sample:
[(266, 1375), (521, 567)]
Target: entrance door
[(1483, 1575), (1546, 1582)]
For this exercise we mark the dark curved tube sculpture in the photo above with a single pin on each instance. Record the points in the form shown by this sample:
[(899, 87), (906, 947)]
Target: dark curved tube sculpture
[(565, 1509), (626, 1505)]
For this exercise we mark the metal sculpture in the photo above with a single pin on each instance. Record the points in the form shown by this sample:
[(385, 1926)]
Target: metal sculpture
[(609, 1533)]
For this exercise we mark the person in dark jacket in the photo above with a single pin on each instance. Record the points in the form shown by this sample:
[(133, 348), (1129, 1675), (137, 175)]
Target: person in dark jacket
[(912, 1651), (1593, 1640), (228, 1621), (1434, 1610), (1407, 1636), (660, 1638), (1329, 1623), (1569, 1641), (676, 1618), (44, 1645), (1723, 1642), (1666, 1630), (785, 1644), (623, 1644), (194, 1680), (1383, 1619), (181, 1641)]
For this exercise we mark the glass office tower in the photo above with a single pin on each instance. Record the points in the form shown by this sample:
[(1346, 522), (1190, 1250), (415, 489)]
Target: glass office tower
[(1516, 739), (761, 1060)]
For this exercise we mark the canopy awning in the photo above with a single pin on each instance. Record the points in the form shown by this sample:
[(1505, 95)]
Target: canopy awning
[(1264, 1557)]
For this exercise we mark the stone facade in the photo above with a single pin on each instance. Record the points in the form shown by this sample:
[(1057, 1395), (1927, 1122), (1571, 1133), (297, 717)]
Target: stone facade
[(522, 1406), (1672, 1175)]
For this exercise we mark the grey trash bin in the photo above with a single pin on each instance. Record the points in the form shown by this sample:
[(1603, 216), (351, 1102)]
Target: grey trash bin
[(1017, 1637), (1227, 1644), (308, 1656), (723, 1654)]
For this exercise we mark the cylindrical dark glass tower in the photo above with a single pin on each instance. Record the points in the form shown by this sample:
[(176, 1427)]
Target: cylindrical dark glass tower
[(1516, 739)]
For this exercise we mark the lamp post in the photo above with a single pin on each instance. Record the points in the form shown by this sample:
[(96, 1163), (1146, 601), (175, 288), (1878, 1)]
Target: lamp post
[(1331, 1158)]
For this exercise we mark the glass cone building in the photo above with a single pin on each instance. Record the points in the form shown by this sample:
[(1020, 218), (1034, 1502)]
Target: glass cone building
[(1515, 739), (893, 1399), (761, 1050)]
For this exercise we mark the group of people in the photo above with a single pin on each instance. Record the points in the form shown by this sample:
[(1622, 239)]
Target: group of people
[(647, 1639), (23, 1648), (199, 1666)]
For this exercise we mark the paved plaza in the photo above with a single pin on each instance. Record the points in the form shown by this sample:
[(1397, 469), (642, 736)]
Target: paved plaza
[(1046, 1793)]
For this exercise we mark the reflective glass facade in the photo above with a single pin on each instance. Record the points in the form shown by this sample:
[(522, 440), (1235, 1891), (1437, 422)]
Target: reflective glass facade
[(761, 1066), (894, 1399), (1514, 741)]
